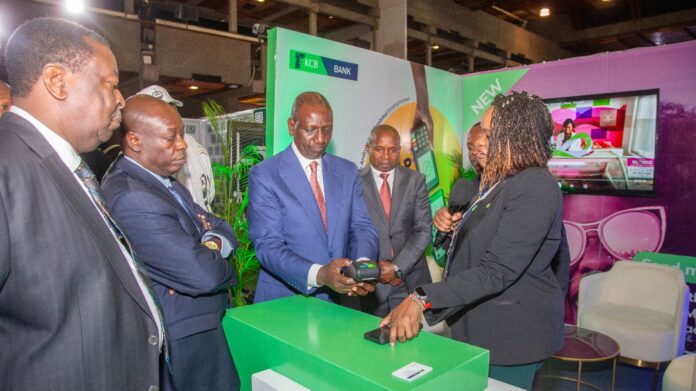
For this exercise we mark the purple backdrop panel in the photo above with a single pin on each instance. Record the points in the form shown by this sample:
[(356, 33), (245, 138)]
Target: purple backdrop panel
[(672, 226)]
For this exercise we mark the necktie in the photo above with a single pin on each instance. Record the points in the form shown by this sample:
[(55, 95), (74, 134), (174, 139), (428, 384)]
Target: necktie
[(385, 195), (314, 182), (90, 181), (185, 205)]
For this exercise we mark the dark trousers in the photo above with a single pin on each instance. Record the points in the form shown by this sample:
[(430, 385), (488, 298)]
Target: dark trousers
[(200, 362)]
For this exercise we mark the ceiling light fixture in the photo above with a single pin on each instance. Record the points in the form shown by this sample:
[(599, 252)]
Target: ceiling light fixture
[(435, 46), (544, 12), (193, 87), (74, 6), (331, 17), (260, 1)]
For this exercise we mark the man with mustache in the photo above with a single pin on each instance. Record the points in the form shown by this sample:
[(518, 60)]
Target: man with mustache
[(182, 246), (307, 216), (75, 312)]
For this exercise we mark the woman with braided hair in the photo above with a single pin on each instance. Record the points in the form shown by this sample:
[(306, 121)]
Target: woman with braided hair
[(507, 265)]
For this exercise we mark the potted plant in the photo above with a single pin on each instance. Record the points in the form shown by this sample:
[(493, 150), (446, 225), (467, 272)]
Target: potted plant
[(231, 197)]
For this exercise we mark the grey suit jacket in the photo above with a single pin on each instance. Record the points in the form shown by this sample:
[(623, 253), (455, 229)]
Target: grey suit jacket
[(504, 287), (72, 316), (408, 232)]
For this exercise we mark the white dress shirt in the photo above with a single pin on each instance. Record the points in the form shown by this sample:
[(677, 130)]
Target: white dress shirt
[(71, 159), (376, 174)]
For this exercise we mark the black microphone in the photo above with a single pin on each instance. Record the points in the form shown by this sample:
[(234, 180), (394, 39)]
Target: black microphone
[(441, 236), (462, 193)]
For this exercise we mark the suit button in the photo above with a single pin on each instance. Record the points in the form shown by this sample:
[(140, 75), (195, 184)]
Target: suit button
[(153, 340), (153, 388), (171, 292)]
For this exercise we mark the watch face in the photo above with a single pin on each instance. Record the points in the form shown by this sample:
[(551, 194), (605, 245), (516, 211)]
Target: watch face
[(211, 245), (398, 273)]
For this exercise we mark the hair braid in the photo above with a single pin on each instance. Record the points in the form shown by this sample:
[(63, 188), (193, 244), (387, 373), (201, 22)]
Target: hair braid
[(520, 134)]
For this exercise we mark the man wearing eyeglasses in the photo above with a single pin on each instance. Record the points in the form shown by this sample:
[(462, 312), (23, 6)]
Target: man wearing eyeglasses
[(397, 200)]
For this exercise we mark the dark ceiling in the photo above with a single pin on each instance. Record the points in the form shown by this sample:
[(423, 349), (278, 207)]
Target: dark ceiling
[(589, 14), (574, 16), (582, 27)]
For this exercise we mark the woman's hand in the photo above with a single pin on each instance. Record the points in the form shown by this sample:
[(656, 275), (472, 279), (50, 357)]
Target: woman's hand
[(403, 322), (444, 221)]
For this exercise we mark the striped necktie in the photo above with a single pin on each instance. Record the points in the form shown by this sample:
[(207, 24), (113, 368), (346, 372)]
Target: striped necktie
[(180, 199), (90, 180)]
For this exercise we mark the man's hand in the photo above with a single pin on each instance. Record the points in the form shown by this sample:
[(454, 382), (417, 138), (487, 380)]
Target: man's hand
[(444, 221), (403, 322), (361, 289), (387, 274), (330, 275), (422, 116)]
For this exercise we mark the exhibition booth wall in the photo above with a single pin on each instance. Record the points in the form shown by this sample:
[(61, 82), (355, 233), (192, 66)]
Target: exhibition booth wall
[(627, 172), (605, 228)]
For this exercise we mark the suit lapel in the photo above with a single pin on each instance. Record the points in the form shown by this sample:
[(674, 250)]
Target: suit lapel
[(397, 193), (333, 182), (85, 209), (296, 181), (372, 195), (477, 216), (145, 177)]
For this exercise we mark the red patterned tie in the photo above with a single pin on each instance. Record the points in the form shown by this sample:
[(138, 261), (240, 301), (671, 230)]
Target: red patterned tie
[(317, 192), (385, 195)]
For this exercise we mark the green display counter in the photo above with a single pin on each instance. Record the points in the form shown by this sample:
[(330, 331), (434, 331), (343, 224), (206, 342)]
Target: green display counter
[(320, 345)]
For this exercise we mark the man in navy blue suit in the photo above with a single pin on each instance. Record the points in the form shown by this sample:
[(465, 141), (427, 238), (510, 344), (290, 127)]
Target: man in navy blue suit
[(307, 216), (182, 246)]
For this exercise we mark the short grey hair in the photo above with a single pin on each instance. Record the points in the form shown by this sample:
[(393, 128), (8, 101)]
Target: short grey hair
[(383, 127)]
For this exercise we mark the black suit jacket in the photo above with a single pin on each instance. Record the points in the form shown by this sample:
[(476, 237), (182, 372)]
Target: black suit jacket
[(72, 316), (500, 291), (408, 232)]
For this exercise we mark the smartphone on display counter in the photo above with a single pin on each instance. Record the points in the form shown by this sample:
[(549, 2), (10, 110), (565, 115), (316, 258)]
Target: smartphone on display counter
[(423, 156), (380, 335)]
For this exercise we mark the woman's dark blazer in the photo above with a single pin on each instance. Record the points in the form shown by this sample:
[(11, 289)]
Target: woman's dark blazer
[(504, 283)]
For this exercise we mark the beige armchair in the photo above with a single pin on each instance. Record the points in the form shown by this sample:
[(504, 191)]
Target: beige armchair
[(679, 375), (642, 306)]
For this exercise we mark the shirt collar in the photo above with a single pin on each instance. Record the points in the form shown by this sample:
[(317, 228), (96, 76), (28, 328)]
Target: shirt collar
[(304, 162), (377, 173), (165, 181), (63, 148)]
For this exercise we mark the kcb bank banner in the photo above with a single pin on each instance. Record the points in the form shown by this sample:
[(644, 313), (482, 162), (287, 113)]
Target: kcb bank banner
[(366, 89)]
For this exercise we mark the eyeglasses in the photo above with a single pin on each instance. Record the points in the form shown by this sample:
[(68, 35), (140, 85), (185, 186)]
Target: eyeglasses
[(622, 234)]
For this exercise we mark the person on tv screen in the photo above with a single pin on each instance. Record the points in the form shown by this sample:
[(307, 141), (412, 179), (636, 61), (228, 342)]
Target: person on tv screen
[(501, 263), (565, 140)]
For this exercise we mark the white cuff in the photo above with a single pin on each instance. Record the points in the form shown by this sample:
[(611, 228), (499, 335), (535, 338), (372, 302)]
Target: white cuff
[(226, 247), (312, 276)]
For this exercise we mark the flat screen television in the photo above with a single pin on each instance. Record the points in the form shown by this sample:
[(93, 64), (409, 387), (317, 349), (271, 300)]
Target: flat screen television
[(605, 143)]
